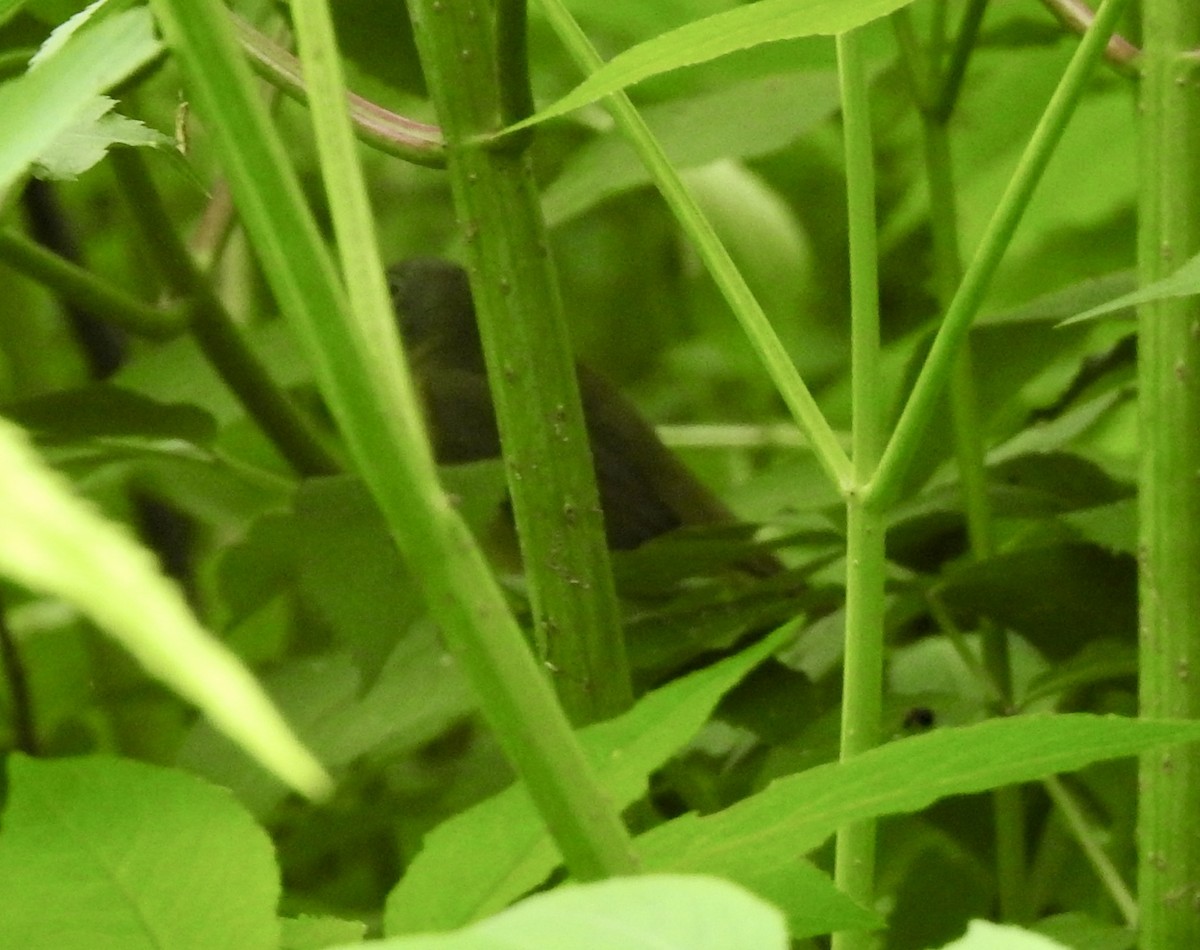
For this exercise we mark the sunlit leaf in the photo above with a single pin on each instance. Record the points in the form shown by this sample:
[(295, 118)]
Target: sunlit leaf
[(55, 543), (109, 852), (38, 107)]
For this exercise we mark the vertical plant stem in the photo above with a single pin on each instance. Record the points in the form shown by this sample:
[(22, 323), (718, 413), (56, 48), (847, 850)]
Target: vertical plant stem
[(862, 683), (357, 366), (214, 330), (1088, 838), (1008, 803), (964, 45), (1169, 495), (530, 366), (935, 374), (588, 830), (935, 97)]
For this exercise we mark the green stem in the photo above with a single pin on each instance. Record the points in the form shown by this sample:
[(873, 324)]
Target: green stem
[(960, 55), (520, 701), (1087, 838), (1078, 16), (405, 138), (1008, 803), (935, 373), (368, 389), (530, 367), (214, 329), (762, 337), (1169, 491), (87, 291), (862, 684)]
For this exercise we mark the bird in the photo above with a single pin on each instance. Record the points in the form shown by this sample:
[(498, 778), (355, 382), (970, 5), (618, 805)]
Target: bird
[(645, 490)]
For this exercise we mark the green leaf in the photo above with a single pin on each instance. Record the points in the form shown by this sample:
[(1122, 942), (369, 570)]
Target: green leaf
[(652, 912), (1082, 932), (761, 835), (1098, 661), (706, 39), (317, 933), (1185, 282), (89, 138), (744, 121), (105, 852), (38, 107), (1056, 481), (1058, 305), (417, 695), (1058, 596), (55, 543), (349, 568), (103, 410), (984, 935), (481, 860)]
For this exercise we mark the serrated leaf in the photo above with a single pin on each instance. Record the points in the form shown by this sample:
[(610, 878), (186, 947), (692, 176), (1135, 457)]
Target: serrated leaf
[(107, 852), (36, 108), (90, 137), (317, 933), (59, 36)]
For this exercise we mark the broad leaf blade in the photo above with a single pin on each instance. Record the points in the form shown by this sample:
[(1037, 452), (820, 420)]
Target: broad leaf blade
[(107, 852)]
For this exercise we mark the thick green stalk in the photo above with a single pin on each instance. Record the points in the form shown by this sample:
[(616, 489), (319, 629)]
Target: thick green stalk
[(521, 704), (531, 369), (370, 393), (796, 395), (214, 329), (862, 682), (935, 374), (1169, 496)]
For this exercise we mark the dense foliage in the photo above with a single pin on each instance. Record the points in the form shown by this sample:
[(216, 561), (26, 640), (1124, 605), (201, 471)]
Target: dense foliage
[(1011, 586)]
